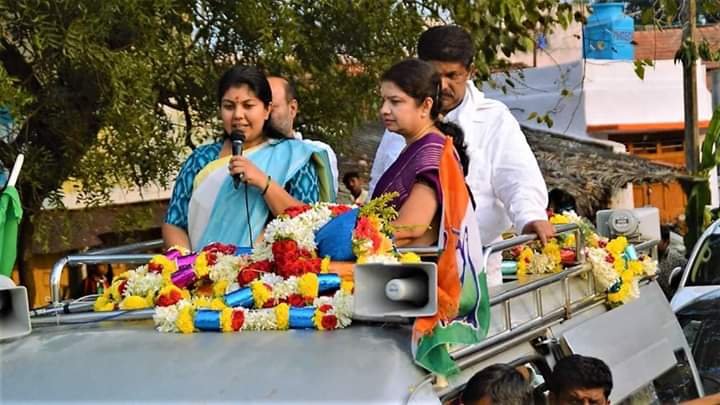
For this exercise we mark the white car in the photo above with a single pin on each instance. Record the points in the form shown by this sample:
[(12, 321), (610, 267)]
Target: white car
[(702, 272)]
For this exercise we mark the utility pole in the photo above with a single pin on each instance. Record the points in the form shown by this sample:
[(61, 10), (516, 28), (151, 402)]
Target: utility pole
[(692, 133)]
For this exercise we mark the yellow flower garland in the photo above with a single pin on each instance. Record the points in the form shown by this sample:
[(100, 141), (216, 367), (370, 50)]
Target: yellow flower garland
[(325, 265), (226, 320), (201, 265), (184, 320), (219, 288), (134, 302), (260, 293), (104, 303), (308, 285), (410, 257), (282, 316)]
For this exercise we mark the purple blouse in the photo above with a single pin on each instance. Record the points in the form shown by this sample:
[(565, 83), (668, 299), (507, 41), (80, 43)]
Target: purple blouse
[(419, 162)]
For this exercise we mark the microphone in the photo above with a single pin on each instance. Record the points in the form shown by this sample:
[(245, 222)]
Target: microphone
[(237, 138)]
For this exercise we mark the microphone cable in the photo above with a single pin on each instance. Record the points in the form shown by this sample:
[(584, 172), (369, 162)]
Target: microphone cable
[(237, 138)]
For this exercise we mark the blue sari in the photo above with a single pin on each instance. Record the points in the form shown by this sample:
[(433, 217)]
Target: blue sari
[(216, 210)]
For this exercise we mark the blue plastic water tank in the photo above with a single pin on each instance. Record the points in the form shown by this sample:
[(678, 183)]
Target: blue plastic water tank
[(608, 33)]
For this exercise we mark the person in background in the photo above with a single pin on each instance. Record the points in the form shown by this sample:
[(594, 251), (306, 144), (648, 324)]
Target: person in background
[(354, 184), (96, 280), (579, 380), (503, 174), (499, 384), (668, 259), (285, 109)]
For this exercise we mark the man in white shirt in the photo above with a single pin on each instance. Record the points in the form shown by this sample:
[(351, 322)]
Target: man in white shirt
[(282, 117), (503, 175)]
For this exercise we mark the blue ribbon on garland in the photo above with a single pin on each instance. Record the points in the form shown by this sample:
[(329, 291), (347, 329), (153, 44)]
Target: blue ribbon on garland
[(302, 318), (207, 320), (240, 298)]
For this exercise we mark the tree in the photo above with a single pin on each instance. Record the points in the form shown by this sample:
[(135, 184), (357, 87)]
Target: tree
[(90, 84)]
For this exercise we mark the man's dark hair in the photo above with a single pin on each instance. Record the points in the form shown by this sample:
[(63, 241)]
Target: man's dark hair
[(446, 43), (502, 383), (349, 176), (665, 233), (580, 372)]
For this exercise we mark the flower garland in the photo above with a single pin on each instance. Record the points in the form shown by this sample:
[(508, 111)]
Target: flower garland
[(282, 285), (323, 313), (548, 260), (372, 236), (616, 266)]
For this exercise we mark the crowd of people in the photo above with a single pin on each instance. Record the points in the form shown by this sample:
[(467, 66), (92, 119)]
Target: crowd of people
[(574, 380)]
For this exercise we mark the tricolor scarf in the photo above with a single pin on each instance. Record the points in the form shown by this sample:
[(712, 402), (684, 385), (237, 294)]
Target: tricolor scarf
[(463, 313)]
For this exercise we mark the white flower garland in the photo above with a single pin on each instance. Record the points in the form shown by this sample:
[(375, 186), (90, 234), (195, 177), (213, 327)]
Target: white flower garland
[(604, 271), (142, 283), (301, 229), (227, 268)]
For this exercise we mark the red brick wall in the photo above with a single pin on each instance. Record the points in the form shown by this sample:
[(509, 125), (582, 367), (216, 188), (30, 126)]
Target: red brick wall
[(664, 44)]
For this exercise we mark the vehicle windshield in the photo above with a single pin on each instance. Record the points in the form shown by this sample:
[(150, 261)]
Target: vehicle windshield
[(705, 268)]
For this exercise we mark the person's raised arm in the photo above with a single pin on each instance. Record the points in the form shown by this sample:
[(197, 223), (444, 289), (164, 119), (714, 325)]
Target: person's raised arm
[(276, 197), (175, 236)]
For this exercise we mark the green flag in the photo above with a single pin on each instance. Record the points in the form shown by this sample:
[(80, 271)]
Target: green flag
[(10, 215)]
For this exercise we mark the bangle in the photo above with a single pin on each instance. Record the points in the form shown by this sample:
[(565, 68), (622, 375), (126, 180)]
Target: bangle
[(267, 186)]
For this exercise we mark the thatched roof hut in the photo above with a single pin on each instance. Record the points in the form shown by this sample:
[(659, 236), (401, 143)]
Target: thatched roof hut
[(591, 171)]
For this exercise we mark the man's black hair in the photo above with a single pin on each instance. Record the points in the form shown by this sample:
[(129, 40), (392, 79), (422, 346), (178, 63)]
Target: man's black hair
[(665, 233), (446, 43), (580, 372), (349, 176), (502, 383)]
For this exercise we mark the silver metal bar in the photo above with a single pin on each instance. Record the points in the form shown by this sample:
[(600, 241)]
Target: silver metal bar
[(647, 245), (536, 285), (523, 289), (508, 316), (494, 247), (59, 266), (426, 250), (538, 303), (568, 299), (70, 307), (88, 317), (555, 315), (579, 246), (130, 248), (523, 239)]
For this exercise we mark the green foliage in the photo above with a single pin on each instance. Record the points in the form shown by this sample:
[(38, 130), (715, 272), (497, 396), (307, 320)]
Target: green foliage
[(96, 88), (508, 26), (639, 67), (116, 92), (381, 208), (698, 187)]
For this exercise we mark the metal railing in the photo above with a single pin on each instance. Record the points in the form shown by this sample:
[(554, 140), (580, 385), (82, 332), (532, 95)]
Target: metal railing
[(111, 255), (119, 255)]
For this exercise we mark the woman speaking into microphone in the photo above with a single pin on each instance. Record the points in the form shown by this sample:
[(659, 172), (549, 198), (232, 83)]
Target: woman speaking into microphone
[(221, 197)]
